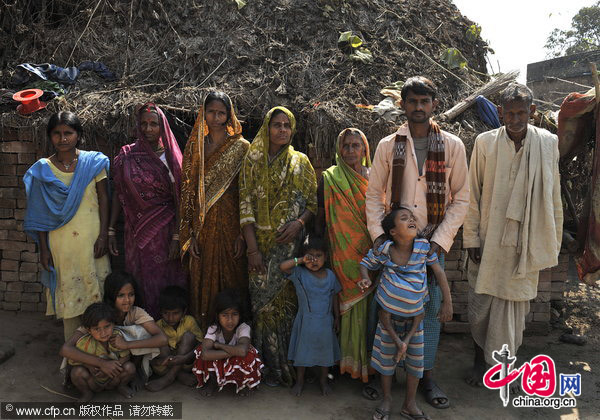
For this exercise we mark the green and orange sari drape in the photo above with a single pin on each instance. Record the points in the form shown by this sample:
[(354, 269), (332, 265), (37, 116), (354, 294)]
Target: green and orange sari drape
[(344, 192)]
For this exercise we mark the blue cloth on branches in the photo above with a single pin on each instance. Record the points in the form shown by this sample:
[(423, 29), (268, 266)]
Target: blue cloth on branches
[(487, 111), (52, 204), (24, 73)]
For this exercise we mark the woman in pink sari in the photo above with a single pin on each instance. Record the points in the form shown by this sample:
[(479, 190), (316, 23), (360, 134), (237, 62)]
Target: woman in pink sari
[(147, 177)]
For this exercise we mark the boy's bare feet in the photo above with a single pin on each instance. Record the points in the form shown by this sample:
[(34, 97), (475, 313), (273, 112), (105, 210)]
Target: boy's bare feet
[(244, 392), (125, 391), (209, 388), (187, 378), (297, 388)]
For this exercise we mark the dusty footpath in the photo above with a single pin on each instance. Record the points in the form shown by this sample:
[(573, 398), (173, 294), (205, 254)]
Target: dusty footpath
[(37, 340)]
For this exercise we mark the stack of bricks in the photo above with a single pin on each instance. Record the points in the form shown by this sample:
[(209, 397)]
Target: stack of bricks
[(551, 286), (20, 288)]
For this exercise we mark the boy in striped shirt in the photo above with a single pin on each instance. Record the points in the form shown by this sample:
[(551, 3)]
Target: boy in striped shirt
[(401, 294)]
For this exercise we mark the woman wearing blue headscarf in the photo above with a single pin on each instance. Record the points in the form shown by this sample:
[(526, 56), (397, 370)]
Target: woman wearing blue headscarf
[(67, 215)]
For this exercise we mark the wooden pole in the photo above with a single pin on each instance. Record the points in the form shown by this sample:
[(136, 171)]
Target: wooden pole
[(594, 70)]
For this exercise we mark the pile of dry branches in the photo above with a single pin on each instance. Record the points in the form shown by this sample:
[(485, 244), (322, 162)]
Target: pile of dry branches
[(268, 53)]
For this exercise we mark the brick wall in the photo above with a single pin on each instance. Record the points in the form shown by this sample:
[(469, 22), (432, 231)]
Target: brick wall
[(20, 288), (19, 285), (551, 286)]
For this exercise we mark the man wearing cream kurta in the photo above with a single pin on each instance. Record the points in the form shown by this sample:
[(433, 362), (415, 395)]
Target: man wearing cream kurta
[(418, 101), (513, 228)]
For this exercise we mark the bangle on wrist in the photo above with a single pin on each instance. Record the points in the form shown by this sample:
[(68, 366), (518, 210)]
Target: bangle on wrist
[(250, 253), (175, 237), (112, 233), (296, 261)]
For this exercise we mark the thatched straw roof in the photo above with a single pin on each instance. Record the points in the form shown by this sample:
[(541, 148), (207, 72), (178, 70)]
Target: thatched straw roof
[(267, 53)]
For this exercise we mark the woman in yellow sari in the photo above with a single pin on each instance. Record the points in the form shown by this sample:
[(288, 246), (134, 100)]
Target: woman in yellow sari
[(210, 229), (341, 200), (277, 198)]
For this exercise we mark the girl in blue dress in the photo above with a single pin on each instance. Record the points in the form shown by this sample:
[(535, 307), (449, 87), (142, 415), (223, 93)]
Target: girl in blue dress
[(313, 341)]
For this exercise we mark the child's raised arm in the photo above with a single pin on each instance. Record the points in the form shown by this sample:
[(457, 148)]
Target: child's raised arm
[(287, 265), (445, 313)]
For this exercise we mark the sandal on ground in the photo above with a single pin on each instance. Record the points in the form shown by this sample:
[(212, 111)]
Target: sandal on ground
[(434, 394), (370, 392), (407, 415), (381, 414)]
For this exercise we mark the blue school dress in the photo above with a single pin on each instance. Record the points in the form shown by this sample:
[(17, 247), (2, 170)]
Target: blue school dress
[(313, 341)]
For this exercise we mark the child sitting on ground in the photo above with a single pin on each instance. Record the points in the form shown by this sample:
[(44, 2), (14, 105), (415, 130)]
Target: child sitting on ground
[(99, 322), (401, 294), (313, 341), (175, 359), (226, 355)]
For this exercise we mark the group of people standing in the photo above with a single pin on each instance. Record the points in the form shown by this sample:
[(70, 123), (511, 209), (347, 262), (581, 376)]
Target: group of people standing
[(229, 214)]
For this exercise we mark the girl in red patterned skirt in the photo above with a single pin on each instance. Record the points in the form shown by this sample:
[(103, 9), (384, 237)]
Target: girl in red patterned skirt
[(226, 355)]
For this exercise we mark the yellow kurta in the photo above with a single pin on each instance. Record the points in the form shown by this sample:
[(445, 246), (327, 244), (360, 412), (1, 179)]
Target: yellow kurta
[(80, 277)]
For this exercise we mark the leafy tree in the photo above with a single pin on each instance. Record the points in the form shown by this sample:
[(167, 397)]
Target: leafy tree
[(584, 34)]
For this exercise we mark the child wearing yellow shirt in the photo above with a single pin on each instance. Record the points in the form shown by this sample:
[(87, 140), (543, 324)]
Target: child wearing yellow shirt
[(98, 365), (183, 334)]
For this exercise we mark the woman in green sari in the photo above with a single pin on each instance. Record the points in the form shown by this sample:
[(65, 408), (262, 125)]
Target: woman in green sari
[(277, 198), (341, 217)]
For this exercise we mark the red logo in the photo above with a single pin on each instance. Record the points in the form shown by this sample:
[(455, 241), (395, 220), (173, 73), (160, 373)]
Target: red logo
[(538, 376)]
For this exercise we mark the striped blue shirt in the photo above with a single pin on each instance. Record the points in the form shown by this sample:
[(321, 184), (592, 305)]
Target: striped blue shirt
[(402, 289)]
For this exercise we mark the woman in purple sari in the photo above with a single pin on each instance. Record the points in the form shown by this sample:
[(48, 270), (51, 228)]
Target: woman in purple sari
[(147, 177)]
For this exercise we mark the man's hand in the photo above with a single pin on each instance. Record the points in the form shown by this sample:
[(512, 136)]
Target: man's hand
[(435, 247), (475, 254)]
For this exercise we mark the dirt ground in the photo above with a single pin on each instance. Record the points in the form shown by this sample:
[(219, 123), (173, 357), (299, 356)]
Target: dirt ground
[(37, 340)]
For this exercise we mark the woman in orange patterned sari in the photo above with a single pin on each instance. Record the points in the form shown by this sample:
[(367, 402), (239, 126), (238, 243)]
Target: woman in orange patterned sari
[(341, 202), (210, 218)]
